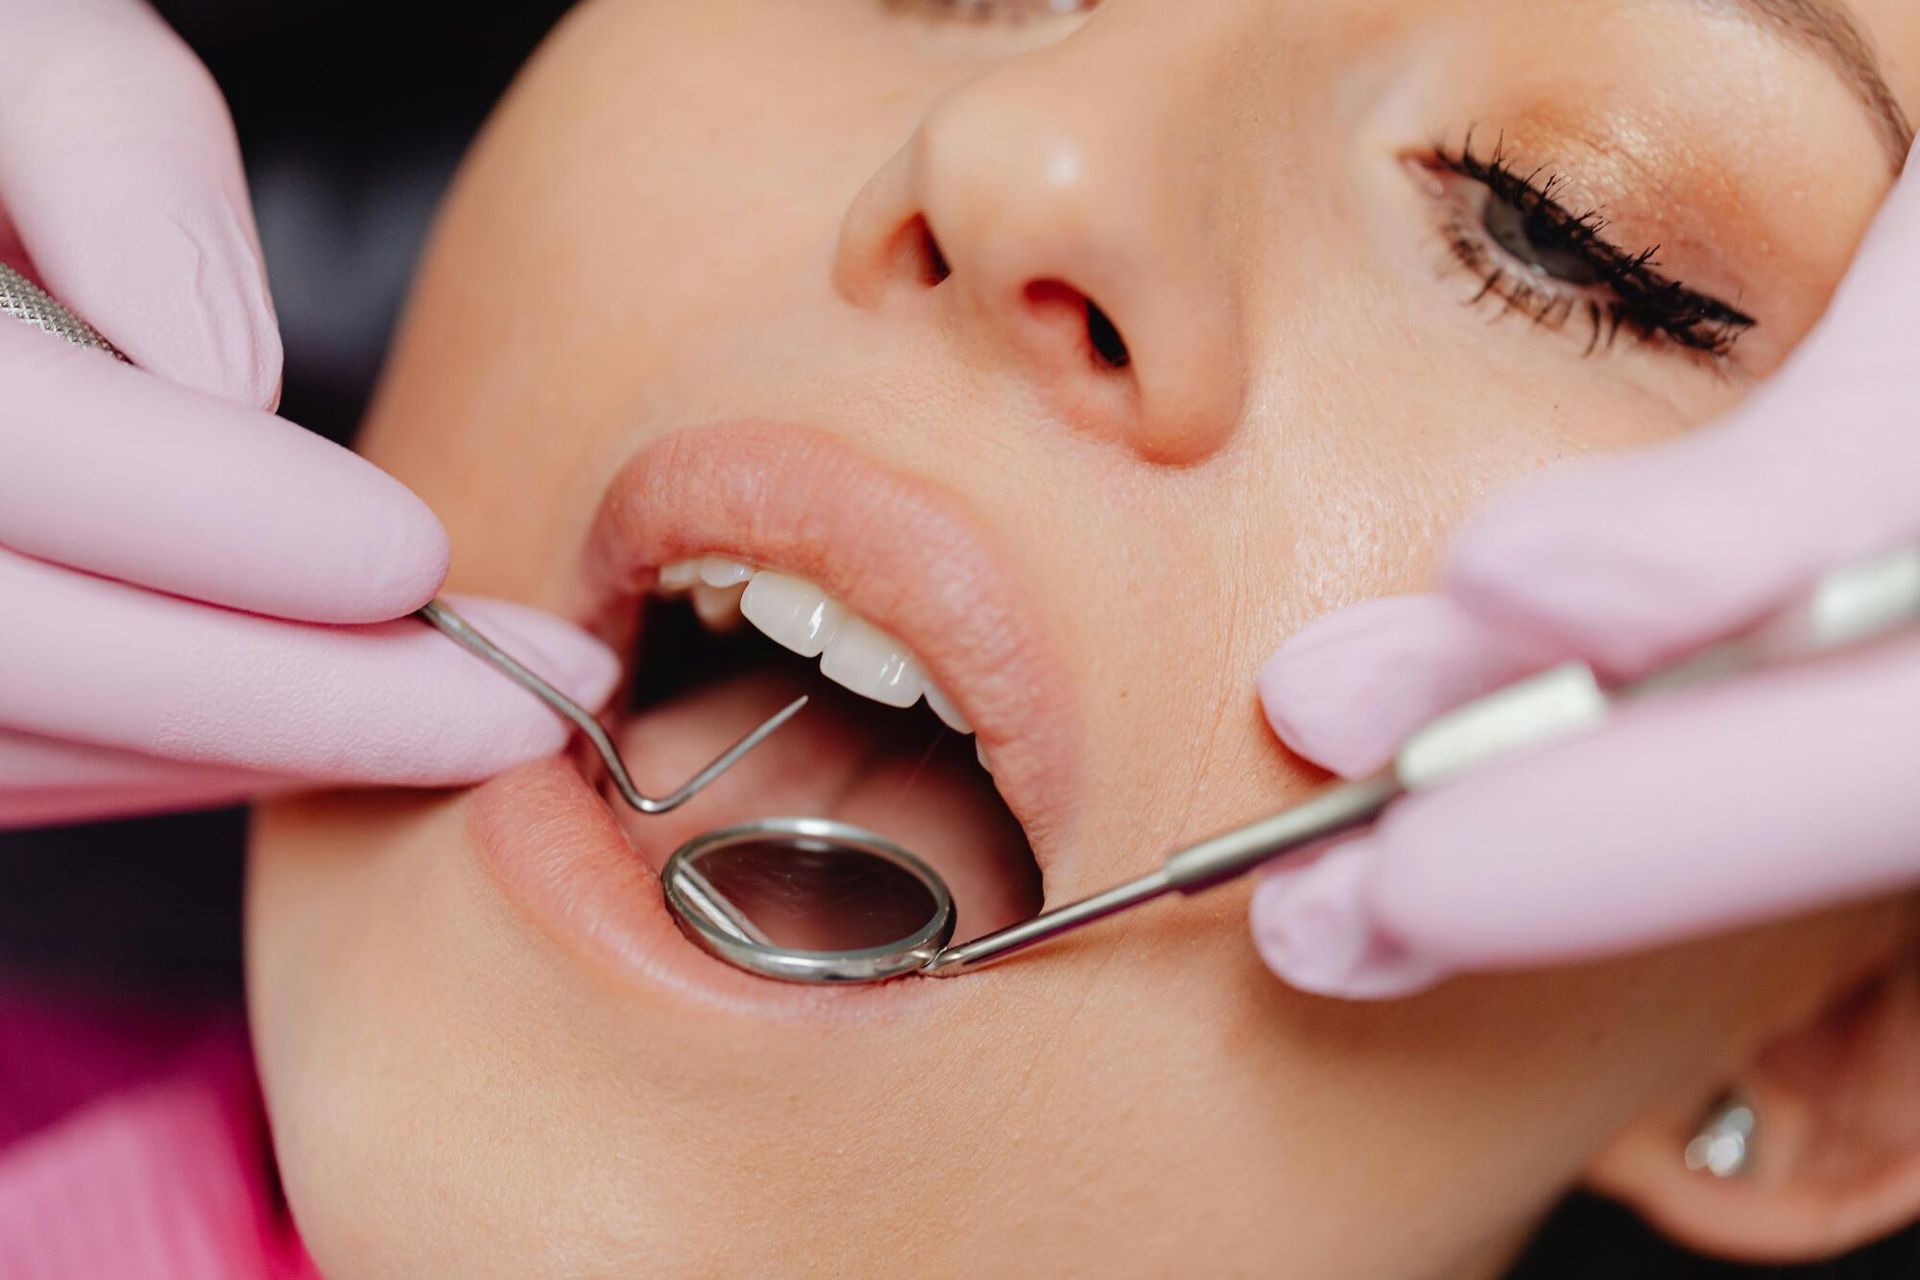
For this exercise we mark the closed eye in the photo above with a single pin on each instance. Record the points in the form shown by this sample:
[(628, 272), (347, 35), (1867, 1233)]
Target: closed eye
[(1536, 257)]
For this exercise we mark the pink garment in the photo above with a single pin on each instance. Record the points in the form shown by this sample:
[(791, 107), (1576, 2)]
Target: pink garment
[(133, 1147)]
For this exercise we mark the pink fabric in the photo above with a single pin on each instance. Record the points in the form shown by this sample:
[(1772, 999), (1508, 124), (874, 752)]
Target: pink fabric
[(133, 1147)]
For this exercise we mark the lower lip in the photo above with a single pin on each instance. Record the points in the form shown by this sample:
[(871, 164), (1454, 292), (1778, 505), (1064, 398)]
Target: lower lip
[(560, 857)]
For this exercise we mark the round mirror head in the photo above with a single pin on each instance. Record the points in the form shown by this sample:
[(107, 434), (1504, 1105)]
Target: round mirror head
[(809, 900)]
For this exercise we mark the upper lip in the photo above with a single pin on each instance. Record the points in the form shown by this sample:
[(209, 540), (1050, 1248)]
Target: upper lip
[(899, 551)]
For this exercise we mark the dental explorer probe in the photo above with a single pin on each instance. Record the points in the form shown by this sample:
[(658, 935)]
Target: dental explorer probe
[(461, 631), (25, 301)]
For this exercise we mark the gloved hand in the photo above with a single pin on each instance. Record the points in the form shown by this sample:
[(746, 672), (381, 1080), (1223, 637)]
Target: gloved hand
[(175, 562), (1713, 809)]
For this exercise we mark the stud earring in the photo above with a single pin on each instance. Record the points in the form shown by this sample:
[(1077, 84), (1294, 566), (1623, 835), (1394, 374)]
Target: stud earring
[(1724, 1144)]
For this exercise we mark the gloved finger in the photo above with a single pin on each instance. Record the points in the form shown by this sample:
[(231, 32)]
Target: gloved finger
[(1310, 930), (1345, 691), (1701, 822), (120, 174), (95, 661), (1633, 561), (30, 763), (45, 782), (58, 806), (121, 473)]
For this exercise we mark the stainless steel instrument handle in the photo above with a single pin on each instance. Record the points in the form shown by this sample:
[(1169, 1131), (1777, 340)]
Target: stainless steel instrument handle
[(24, 300)]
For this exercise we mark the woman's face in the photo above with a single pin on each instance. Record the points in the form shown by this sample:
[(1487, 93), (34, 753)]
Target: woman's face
[(1089, 356)]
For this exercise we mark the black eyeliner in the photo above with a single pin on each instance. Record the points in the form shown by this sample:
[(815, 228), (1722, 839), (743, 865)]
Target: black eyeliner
[(1641, 299)]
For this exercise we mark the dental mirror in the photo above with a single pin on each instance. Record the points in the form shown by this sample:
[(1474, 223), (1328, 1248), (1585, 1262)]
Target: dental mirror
[(809, 900)]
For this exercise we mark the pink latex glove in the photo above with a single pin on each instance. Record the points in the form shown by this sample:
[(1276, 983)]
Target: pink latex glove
[(1713, 809), (195, 595)]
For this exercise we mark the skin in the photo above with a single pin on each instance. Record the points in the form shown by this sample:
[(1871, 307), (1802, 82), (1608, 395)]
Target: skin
[(690, 212)]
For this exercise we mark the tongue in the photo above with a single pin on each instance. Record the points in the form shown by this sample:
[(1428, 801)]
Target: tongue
[(897, 774)]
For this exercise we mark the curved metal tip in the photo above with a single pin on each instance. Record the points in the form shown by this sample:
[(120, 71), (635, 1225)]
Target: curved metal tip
[(438, 615), (718, 765)]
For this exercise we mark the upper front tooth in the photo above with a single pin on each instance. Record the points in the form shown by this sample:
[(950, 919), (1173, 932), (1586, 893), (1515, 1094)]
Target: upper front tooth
[(679, 575), (873, 664), (717, 607), (948, 713), (792, 611), (853, 652), (718, 571)]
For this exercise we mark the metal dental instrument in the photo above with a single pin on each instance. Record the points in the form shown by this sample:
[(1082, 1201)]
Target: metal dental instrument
[(23, 300), (779, 860), (462, 632)]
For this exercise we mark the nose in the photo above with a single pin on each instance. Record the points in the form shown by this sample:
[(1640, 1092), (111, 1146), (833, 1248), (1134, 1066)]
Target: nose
[(1055, 221)]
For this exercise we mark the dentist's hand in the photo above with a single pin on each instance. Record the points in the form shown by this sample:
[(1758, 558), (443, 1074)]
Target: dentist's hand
[(1714, 809), (196, 597)]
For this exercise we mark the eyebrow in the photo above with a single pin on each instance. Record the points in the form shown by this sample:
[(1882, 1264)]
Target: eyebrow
[(1827, 29)]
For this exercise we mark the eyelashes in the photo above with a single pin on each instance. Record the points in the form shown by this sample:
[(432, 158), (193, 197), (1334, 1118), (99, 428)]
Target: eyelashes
[(1536, 257)]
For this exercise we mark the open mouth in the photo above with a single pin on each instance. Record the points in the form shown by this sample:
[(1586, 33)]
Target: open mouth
[(745, 564), (880, 744)]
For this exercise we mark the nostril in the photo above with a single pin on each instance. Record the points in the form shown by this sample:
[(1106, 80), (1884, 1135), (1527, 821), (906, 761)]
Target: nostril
[(937, 268), (1108, 345), (921, 250), (1067, 305)]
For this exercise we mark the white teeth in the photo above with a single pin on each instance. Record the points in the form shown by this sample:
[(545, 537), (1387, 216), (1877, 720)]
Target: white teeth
[(873, 664), (980, 754), (793, 612), (679, 575), (718, 608), (798, 615), (949, 714), (718, 571)]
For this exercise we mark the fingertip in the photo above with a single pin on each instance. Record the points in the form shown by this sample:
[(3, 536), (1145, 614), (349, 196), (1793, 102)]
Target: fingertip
[(421, 709), (1313, 927), (1309, 939), (565, 655), (1345, 692), (515, 726), (512, 742), (353, 544), (1310, 713), (406, 554)]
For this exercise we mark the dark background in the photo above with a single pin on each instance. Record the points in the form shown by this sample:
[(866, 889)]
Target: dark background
[(352, 115)]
